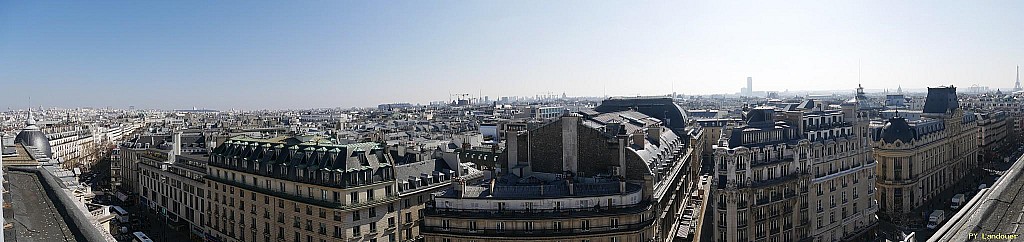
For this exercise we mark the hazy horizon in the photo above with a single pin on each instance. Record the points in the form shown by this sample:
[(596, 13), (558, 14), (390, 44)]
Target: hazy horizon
[(264, 55)]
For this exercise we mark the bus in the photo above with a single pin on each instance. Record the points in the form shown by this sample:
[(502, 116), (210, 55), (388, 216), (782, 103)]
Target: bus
[(140, 237)]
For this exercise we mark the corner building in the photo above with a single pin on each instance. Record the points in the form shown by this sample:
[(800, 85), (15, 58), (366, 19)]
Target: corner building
[(918, 159), (800, 173), (300, 189)]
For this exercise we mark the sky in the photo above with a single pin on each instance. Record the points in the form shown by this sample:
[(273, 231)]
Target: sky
[(313, 54)]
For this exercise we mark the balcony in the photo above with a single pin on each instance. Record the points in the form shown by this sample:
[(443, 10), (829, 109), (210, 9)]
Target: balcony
[(540, 232), (774, 181), (432, 210), (790, 193)]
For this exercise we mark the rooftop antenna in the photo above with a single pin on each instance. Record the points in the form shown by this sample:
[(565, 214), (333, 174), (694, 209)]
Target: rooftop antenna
[(858, 72)]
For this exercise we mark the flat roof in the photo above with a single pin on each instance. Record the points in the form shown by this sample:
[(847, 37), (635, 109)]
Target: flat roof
[(35, 217)]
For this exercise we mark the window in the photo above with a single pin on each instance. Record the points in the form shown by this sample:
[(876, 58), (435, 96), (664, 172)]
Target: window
[(355, 215), (472, 225), (585, 225), (369, 194), (373, 227), (499, 225), (391, 222), (355, 231), (373, 212), (557, 225), (615, 223)]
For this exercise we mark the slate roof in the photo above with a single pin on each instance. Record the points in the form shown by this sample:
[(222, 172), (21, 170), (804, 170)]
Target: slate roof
[(941, 100), (662, 108), (895, 129), (278, 154)]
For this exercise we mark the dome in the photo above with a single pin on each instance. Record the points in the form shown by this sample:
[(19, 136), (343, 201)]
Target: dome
[(895, 129), (32, 136)]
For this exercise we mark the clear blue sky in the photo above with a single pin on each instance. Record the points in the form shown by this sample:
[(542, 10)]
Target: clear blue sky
[(254, 55)]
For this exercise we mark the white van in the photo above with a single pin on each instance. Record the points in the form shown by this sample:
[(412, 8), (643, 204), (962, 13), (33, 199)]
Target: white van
[(936, 218), (958, 200)]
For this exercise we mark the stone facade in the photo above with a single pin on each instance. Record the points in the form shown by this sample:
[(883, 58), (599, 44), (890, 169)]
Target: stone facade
[(919, 159)]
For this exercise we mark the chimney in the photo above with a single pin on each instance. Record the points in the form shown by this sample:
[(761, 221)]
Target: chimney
[(568, 182), (622, 186), (175, 147), (638, 139), (491, 185), (460, 186), (622, 155), (654, 133), (177, 143)]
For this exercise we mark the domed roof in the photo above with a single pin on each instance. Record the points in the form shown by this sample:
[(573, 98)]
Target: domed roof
[(32, 136), (897, 128)]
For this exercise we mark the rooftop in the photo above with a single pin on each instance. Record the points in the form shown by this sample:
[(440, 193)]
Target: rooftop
[(995, 210), (33, 214)]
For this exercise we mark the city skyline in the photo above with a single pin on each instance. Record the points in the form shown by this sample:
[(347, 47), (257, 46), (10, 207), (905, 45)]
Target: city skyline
[(234, 55)]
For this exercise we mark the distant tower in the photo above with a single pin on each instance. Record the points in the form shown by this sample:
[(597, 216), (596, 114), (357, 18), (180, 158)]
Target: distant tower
[(1017, 86), (899, 89), (750, 86)]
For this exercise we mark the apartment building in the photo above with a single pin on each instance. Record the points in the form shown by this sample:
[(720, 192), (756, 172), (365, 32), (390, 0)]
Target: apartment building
[(801, 172), (170, 181), (300, 189), (605, 175), (918, 159)]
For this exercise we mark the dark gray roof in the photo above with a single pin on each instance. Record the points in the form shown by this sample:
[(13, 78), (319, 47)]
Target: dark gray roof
[(32, 136), (422, 167), (895, 129), (760, 116), (941, 99), (662, 108), (807, 104)]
